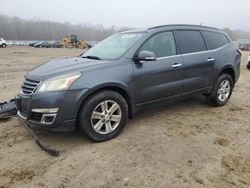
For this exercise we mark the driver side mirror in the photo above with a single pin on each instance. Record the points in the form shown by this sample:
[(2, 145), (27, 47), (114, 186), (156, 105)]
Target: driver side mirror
[(145, 56)]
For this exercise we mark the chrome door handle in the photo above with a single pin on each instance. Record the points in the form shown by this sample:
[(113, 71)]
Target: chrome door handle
[(211, 59), (176, 65)]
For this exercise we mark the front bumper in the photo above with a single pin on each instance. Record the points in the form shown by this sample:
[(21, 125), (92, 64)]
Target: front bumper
[(55, 111)]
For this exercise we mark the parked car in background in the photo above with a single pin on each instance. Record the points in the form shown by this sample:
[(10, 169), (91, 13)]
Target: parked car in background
[(57, 44), (16, 43), (43, 44), (244, 44), (3, 43), (9, 42), (98, 91), (92, 43), (33, 43)]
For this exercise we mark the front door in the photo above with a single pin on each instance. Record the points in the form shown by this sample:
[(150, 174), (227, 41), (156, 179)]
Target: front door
[(155, 80)]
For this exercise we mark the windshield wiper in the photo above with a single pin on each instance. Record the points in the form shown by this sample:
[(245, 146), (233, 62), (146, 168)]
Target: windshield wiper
[(92, 57)]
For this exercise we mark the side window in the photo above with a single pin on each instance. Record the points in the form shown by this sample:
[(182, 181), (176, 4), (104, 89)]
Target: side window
[(191, 41), (214, 40), (162, 44)]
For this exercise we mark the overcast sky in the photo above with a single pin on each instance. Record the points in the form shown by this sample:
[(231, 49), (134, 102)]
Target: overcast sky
[(134, 13)]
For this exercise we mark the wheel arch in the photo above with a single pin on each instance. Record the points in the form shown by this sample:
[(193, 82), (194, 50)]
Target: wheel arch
[(228, 70), (117, 87)]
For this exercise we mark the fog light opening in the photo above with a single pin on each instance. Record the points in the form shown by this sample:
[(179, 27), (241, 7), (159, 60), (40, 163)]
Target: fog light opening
[(48, 118)]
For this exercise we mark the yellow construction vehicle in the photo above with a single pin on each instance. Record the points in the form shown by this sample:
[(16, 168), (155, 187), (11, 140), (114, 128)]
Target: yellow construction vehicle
[(71, 41)]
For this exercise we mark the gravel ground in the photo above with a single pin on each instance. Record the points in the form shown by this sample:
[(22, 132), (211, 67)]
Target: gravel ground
[(186, 144)]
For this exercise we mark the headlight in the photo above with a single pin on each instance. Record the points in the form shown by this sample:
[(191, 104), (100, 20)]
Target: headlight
[(58, 83)]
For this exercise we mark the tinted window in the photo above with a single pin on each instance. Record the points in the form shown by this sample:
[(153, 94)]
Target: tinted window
[(191, 41), (214, 40), (162, 44)]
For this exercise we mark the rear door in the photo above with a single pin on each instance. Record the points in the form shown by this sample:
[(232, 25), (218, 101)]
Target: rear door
[(198, 62), (223, 53), (162, 78)]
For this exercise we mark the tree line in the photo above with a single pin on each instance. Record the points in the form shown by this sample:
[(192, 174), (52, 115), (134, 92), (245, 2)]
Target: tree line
[(15, 28), (237, 34)]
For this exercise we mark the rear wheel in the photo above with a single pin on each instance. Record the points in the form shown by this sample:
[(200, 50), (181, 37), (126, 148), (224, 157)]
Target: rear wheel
[(222, 91), (4, 45), (103, 116)]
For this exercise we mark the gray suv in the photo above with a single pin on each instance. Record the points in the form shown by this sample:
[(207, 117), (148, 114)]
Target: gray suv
[(99, 90)]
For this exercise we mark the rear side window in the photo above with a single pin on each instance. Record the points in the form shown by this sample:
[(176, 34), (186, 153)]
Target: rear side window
[(214, 40), (191, 41), (162, 44)]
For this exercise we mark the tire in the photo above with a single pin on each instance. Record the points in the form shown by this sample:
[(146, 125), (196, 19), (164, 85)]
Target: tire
[(248, 65), (4, 45), (219, 99), (89, 124)]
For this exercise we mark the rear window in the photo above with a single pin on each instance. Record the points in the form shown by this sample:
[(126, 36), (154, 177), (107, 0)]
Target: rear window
[(191, 41), (214, 40)]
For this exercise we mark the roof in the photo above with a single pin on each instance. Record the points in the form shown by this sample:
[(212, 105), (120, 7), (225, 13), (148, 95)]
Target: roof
[(175, 26), (134, 31), (182, 25)]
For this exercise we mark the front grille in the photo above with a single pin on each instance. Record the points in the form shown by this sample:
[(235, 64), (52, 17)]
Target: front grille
[(29, 86), (23, 110)]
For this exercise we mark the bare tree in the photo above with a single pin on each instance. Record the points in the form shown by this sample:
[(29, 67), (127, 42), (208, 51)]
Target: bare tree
[(15, 28), (237, 34)]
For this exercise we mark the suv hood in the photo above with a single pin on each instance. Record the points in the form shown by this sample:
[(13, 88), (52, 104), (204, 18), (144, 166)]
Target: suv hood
[(63, 66)]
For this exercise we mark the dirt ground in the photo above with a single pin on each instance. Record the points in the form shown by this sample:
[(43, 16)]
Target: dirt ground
[(187, 144)]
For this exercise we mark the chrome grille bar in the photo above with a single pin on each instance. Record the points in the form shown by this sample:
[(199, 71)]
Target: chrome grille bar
[(29, 86)]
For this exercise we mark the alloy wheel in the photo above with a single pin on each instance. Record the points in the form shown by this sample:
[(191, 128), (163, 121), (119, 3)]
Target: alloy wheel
[(224, 90), (106, 117)]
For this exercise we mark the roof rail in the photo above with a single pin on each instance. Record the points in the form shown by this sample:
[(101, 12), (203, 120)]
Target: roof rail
[(155, 27)]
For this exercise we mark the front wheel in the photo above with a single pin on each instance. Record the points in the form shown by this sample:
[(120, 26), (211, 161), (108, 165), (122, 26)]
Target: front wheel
[(222, 91), (4, 45), (103, 116)]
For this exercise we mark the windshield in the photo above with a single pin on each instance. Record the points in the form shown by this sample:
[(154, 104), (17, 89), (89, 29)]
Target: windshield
[(113, 47)]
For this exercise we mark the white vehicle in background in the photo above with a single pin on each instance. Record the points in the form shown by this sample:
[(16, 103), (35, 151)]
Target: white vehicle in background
[(2, 43), (248, 64)]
